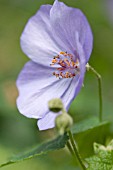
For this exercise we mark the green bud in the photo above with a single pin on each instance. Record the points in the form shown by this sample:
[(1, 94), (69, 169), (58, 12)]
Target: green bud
[(63, 122), (55, 105)]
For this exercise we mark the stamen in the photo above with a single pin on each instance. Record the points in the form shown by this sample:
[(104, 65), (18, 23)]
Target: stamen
[(67, 66), (54, 61)]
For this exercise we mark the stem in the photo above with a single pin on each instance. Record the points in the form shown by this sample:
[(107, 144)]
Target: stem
[(100, 90), (70, 148), (76, 152)]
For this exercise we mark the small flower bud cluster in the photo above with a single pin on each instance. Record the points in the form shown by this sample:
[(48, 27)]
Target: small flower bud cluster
[(55, 105), (63, 121)]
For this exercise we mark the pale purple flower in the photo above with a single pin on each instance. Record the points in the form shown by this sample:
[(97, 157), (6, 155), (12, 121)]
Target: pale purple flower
[(58, 40)]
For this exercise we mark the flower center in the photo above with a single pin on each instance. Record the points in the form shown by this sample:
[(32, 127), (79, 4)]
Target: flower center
[(66, 67)]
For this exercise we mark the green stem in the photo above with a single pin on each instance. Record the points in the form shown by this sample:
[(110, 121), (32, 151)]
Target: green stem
[(100, 90), (70, 148), (76, 152)]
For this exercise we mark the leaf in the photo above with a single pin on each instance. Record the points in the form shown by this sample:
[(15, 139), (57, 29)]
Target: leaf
[(96, 163), (88, 131), (87, 124), (57, 143), (103, 158), (44, 148)]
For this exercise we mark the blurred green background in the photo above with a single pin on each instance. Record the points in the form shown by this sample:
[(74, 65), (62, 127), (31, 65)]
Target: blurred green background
[(17, 133)]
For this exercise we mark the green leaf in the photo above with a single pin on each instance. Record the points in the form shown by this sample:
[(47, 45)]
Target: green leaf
[(88, 131), (44, 148), (57, 143), (96, 163), (87, 124), (103, 158)]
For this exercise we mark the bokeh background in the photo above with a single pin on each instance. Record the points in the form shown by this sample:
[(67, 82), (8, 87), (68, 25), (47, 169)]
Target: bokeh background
[(18, 133)]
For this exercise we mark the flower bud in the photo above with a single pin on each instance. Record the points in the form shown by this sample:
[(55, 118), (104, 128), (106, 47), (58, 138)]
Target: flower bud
[(63, 122), (55, 105)]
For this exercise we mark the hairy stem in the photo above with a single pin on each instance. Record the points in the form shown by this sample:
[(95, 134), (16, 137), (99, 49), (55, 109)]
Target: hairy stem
[(99, 88), (70, 147), (76, 152)]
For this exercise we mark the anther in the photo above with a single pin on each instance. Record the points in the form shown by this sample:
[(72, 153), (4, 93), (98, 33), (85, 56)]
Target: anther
[(67, 66)]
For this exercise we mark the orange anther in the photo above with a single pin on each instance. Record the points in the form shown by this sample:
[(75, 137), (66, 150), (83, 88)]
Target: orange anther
[(54, 60), (63, 53), (67, 75), (73, 63), (67, 66)]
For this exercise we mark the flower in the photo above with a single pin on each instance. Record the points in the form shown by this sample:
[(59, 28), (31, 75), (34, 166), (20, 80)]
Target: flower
[(58, 40)]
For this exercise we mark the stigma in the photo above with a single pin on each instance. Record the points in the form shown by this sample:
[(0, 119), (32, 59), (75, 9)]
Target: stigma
[(65, 65)]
